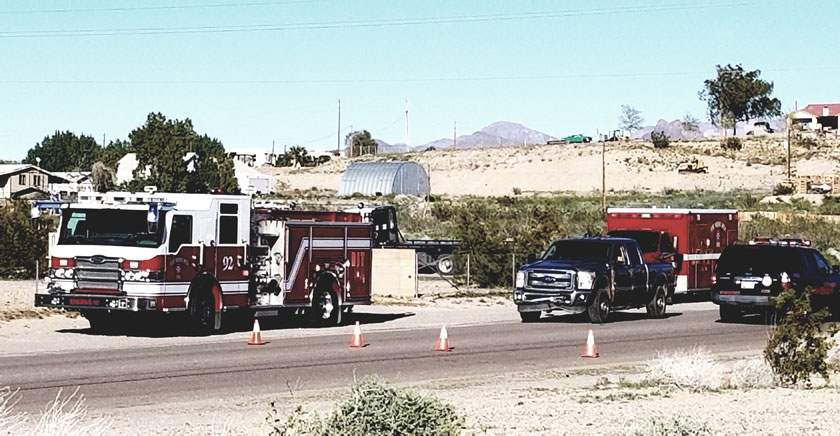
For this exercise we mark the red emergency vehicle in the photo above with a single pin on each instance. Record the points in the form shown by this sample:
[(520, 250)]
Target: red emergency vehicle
[(204, 255), (691, 238)]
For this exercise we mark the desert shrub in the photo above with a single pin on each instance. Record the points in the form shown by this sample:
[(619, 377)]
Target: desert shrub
[(823, 234), (517, 191), (21, 243), (697, 370), (10, 421), (732, 143), (798, 348), (659, 139), (783, 189), (674, 426), (808, 143), (374, 408)]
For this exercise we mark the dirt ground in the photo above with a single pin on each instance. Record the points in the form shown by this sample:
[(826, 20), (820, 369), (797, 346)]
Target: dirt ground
[(602, 399), (634, 166)]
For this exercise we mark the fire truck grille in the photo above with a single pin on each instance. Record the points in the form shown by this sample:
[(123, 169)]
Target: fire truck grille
[(550, 280), (98, 273)]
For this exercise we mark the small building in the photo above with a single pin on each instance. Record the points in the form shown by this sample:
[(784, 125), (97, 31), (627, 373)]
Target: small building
[(383, 178), (70, 183), (25, 182), (816, 117), (250, 180)]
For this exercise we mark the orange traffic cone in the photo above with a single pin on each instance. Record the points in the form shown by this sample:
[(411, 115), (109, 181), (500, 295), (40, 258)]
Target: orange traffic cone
[(356, 341), (590, 350), (443, 341), (256, 337)]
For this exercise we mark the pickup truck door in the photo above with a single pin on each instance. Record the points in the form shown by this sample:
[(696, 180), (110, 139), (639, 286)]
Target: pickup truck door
[(638, 272), (622, 276)]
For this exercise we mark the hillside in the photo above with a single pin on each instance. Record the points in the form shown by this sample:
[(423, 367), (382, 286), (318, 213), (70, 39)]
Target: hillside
[(632, 166)]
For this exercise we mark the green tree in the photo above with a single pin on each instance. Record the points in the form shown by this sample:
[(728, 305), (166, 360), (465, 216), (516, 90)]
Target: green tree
[(164, 154), (114, 151), (65, 151), (297, 156), (102, 177), (738, 95), (630, 119), (22, 243), (360, 142)]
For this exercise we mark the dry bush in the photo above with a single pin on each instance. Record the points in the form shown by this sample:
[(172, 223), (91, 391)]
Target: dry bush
[(10, 422), (697, 370), (68, 417)]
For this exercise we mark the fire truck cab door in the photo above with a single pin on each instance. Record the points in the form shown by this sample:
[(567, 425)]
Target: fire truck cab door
[(208, 245)]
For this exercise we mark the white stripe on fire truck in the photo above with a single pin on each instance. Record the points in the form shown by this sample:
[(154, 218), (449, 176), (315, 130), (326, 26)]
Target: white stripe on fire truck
[(321, 244), (703, 256)]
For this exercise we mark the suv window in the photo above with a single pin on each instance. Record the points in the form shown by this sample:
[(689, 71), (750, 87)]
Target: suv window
[(759, 259), (816, 264)]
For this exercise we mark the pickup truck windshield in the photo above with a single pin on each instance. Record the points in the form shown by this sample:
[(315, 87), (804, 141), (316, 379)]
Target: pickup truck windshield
[(592, 250), (108, 227)]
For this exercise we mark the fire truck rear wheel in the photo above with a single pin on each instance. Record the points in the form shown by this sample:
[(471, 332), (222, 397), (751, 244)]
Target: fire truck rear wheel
[(326, 310), (202, 313)]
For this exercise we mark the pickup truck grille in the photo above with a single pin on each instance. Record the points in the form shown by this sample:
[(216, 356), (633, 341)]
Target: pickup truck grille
[(546, 280), (98, 274)]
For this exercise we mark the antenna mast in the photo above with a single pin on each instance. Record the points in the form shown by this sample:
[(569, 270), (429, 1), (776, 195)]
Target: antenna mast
[(407, 140)]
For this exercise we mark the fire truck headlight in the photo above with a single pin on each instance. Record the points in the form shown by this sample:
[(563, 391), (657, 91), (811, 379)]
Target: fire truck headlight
[(520, 279), (129, 276), (59, 273), (585, 279)]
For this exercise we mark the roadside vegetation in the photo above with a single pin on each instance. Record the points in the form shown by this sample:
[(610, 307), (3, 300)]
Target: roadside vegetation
[(67, 415), (373, 408)]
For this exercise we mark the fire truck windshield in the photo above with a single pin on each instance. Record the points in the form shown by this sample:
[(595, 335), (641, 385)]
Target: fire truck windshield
[(108, 227)]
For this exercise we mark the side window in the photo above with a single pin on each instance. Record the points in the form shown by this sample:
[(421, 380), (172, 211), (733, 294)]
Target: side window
[(665, 245), (181, 232), (228, 223), (809, 262), (633, 255), (36, 180), (822, 265), (619, 254), (22, 179)]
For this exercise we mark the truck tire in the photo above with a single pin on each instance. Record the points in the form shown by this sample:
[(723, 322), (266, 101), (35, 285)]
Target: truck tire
[(202, 313), (530, 316), (658, 303), (100, 321), (729, 313), (599, 308), (325, 310), (445, 265)]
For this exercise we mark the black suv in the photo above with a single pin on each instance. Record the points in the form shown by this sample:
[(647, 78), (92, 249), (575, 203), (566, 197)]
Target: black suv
[(747, 276)]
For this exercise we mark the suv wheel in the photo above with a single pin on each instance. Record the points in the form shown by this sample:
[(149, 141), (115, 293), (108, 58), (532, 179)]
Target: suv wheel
[(599, 308), (729, 313), (530, 316), (658, 303)]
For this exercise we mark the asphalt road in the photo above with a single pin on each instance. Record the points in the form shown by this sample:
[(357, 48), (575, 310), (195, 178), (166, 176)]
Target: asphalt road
[(132, 376)]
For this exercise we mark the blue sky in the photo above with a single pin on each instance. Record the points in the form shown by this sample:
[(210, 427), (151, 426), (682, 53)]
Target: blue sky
[(258, 71)]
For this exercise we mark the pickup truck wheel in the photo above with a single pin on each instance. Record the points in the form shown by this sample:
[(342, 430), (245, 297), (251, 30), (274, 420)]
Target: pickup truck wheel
[(202, 313), (599, 308), (530, 316), (325, 309), (729, 313), (658, 304)]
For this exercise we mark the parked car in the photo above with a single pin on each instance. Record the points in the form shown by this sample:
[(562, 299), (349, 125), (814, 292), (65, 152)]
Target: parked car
[(577, 139), (592, 275), (748, 276)]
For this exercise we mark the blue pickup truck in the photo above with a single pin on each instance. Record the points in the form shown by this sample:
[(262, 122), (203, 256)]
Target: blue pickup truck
[(595, 276)]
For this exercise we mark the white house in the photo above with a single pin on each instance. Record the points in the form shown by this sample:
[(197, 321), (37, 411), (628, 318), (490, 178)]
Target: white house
[(70, 182), (250, 180), (817, 117)]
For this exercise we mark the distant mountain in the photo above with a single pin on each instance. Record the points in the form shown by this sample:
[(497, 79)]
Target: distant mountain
[(498, 134)]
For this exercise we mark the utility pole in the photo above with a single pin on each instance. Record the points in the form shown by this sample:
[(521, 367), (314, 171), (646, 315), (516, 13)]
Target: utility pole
[(407, 138), (338, 133), (455, 135), (103, 140), (603, 176), (788, 144), (273, 159)]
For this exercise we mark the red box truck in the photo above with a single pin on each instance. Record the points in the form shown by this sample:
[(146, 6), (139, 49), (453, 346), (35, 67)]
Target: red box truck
[(691, 238)]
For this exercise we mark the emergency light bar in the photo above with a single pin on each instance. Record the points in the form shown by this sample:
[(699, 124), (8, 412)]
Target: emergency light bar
[(783, 242)]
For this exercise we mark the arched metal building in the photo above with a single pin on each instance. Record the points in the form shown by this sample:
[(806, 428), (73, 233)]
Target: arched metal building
[(383, 178)]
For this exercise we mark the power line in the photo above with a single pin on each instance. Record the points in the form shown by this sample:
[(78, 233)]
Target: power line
[(390, 80), (367, 23), (154, 8)]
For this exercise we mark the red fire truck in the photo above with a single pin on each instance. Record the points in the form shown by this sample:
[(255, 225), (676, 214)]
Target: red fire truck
[(691, 238), (205, 255)]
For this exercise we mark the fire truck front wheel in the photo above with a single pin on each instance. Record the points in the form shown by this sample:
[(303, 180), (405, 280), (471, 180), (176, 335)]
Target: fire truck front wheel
[(326, 309), (202, 313), (101, 321)]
